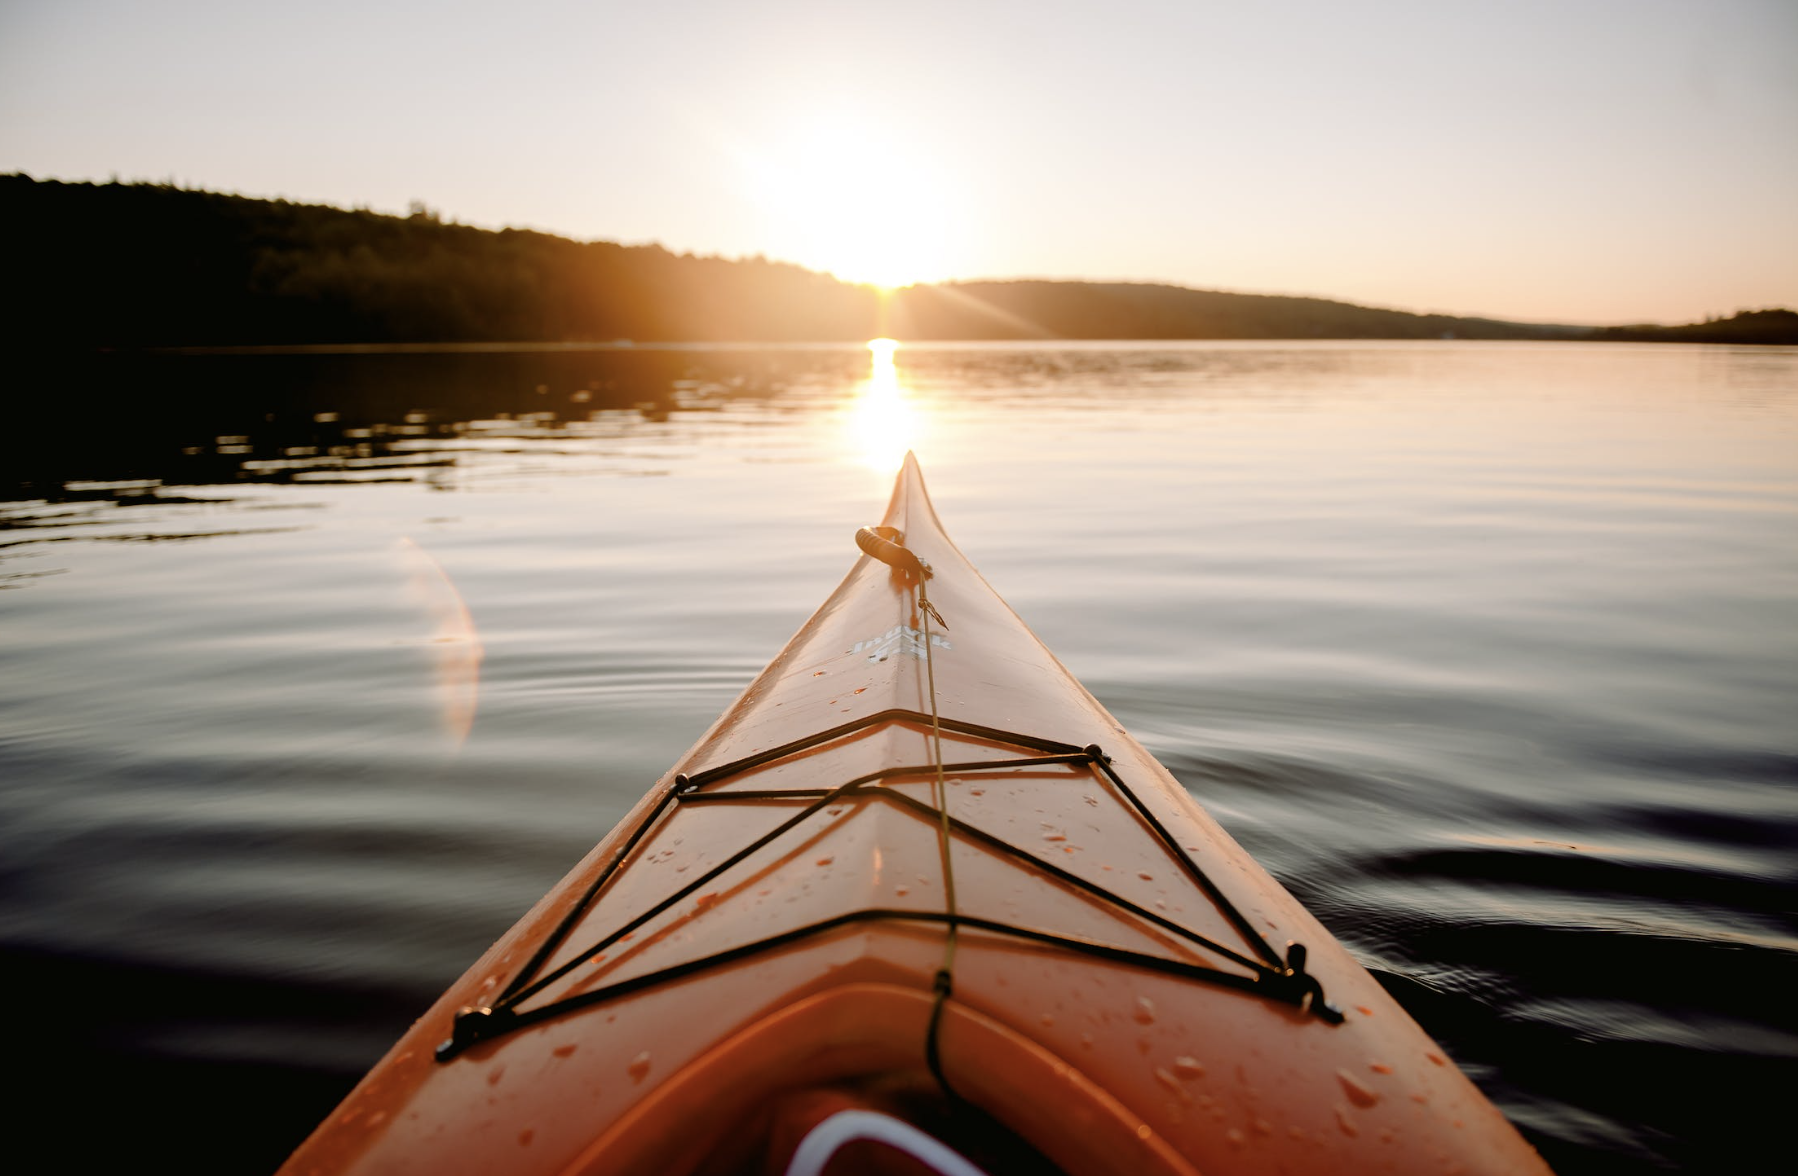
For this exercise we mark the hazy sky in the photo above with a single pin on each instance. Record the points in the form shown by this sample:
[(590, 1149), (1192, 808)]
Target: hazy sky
[(1574, 160)]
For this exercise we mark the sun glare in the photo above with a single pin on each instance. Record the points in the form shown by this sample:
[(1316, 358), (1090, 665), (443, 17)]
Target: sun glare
[(882, 423), (842, 198)]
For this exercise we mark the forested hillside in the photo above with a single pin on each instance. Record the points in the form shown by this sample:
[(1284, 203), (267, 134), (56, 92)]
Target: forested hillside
[(149, 265)]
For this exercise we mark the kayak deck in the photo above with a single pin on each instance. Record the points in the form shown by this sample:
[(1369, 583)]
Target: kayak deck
[(1044, 932)]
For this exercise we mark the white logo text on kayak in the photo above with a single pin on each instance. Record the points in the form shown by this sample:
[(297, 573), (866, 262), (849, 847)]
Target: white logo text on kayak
[(899, 639)]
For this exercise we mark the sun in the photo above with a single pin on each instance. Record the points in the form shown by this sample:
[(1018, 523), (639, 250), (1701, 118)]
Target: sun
[(853, 201)]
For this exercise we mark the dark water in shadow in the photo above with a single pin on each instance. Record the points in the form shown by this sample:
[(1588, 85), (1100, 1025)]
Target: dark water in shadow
[(1489, 653)]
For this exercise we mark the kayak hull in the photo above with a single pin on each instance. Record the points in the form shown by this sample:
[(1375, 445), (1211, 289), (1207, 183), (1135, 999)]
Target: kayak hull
[(1112, 982)]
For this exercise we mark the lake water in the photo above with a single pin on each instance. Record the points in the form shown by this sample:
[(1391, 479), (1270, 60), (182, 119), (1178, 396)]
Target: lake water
[(1488, 652)]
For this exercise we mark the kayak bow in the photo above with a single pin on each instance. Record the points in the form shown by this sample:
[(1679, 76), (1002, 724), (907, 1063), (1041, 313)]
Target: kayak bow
[(916, 899)]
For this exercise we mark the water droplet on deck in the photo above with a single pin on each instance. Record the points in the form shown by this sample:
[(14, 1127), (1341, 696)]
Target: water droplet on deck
[(825, 861), (1343, 1121), (1358, 1094), (1188, 1067), (1145, 876), (1055, 836), (901, 891), (524, 1137), (1145, 1011), (1167, 1079), (639, 1066), (1379, 1067), (1235, 1136), (495, 1074), (1437, 1058), (564, 1051)]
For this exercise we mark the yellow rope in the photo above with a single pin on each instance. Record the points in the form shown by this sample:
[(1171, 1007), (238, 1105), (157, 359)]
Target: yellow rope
[(940, 790)]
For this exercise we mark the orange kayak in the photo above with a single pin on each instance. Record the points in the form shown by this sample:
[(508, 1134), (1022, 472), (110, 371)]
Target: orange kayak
[(916, 903)]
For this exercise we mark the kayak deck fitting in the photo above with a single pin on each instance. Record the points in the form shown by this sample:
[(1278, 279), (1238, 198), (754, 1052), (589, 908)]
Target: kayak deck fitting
[(916, 898)]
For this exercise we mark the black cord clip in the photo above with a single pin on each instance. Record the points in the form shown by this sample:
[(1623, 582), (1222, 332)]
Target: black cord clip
[(474, 1023)]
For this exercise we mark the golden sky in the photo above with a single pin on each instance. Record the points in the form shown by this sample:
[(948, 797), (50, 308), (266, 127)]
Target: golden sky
[(1577, 161)]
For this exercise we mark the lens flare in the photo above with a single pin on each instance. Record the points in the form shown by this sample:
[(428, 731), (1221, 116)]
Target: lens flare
[(455, 645)]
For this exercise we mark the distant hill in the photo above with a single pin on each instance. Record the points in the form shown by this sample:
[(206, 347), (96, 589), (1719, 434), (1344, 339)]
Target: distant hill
[(147, 265), (1748, 326), (1120, 310)]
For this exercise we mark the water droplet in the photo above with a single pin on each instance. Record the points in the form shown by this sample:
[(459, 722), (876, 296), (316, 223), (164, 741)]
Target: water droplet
[(378, 1118), (639, 1066), (901, 891), (817, 673), (1263, 1127), (1143, 1132), (1188, 1067), (1437, 1059), (825, 861), (860, 689), (1091, 800), (1343, 1121), (1167, 1079), (706, 900), (1048, 1019), (1379, 1067), (1055, 836), (1235, 1136), (564, 1051), (1145, 1011), (495, 1074), (1145, 876), (524, 1137), (976, 792), (1358, 1094)]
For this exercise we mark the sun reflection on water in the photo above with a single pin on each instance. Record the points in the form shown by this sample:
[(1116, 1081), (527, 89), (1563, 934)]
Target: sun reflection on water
[(883, 424)]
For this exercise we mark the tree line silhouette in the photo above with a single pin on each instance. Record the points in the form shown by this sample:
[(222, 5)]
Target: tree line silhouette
[(152, 265)]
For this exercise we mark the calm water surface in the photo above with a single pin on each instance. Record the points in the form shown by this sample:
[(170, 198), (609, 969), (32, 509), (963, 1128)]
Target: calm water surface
[(1488, 652)]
